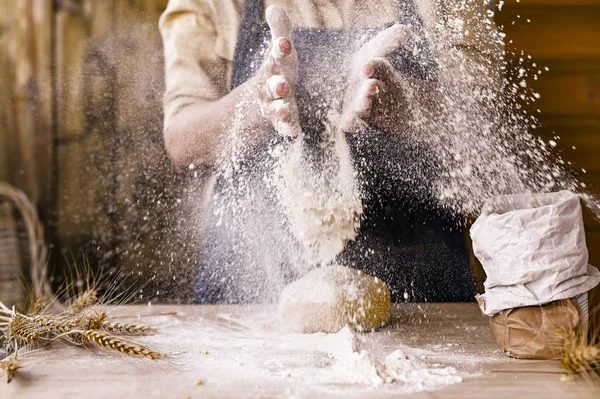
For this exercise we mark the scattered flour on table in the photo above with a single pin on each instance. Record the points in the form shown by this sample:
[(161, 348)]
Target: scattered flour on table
[(253, 349)]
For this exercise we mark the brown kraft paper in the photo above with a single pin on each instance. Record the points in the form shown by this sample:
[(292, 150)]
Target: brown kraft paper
[(531, 332)]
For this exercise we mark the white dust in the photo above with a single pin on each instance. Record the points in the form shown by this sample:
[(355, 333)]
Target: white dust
[(323, 205), (470, 136)]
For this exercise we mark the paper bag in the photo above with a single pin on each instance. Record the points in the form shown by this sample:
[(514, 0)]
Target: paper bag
[(531, 332), (533, 250)]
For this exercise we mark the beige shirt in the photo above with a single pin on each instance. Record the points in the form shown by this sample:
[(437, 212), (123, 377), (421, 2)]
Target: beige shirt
[(199, 36)]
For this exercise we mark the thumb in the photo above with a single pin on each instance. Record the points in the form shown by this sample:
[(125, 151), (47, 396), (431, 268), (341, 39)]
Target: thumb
[(279, 23), (388, 41)]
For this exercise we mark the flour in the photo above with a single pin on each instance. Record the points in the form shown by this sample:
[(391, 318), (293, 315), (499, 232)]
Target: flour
[(470, 135), (323, 206), (248, 348), (352, 364), (356, 365)]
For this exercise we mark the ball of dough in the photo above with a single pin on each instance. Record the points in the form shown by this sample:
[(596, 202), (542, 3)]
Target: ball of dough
[(328, 298)]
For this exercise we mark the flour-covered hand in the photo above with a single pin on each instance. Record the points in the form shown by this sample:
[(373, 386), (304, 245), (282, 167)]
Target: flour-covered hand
[(278, 76), (375, 95)]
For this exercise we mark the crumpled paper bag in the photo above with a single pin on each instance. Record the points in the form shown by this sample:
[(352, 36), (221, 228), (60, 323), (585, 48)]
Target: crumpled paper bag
[(533, 250), (531, 332)]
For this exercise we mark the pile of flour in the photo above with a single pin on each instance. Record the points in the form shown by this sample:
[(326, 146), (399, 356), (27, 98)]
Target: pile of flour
[(356, 365)]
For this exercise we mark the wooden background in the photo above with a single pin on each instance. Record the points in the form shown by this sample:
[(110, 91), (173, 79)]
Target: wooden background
[(81, 133), (80, 122)]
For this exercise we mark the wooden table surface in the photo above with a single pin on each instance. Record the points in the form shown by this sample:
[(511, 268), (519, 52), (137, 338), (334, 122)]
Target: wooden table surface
[(244, 352)]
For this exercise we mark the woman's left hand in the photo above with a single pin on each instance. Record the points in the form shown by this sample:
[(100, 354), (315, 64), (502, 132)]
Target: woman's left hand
[(375, 95)]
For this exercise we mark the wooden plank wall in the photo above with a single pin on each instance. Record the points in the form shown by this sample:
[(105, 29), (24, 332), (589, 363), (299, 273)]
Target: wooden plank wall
[(81, 89), (116, 190), (564, 35), (26, 118)]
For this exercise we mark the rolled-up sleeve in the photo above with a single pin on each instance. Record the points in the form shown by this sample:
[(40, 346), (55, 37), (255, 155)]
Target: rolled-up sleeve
[(193, 70)]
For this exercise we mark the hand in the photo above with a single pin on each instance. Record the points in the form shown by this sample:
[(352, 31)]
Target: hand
[(278, 76), (200, 132), (375, 95)]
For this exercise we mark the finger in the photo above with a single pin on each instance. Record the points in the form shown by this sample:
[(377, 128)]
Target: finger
[(285, 118), (379, 68), (278, 111), (353, 124), (281, 110), (362, 106), (278, 22), (281, 48), (388, 41), (277, 87), (368, 90)]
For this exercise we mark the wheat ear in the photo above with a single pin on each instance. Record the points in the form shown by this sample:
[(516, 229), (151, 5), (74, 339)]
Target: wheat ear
[(129, 329), (115, 343), (112, 342), (53, 324), (577, 355), (20, 332), (84, 300), (582, 359)]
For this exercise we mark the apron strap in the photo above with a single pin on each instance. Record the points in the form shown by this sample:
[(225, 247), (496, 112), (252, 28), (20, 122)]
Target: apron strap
[(254, 10), (250, 35)]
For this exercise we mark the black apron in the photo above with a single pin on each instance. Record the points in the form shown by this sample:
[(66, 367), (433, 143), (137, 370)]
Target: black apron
[(407, 241)]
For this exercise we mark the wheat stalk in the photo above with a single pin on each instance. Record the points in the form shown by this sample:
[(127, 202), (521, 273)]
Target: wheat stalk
[(51, 324), (78, 323), (117, 344)]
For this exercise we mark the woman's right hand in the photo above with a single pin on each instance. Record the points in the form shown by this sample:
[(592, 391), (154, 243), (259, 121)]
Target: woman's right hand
[(278, 76)]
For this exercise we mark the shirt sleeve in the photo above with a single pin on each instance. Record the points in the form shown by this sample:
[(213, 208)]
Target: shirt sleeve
[(194, 72)]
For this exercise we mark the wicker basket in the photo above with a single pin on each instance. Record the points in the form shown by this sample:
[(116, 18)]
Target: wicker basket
[(19, 223)]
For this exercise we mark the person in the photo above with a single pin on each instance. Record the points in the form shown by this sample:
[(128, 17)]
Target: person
[(214, 63)]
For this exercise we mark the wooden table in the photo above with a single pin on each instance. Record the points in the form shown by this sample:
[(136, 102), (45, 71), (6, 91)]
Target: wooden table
[(244, 352)]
